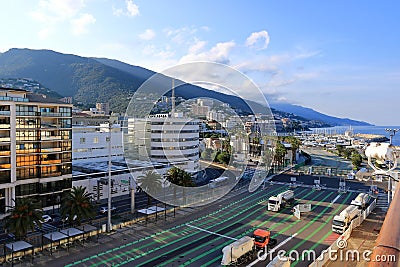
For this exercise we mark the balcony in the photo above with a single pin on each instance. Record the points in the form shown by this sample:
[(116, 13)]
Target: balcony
[(5, 166), (5, 113), (5, 153), (50, 162), (52, 174), (46, 138), (27, 151), (5, 139), (4, 126), (49, 150), (51, 114)]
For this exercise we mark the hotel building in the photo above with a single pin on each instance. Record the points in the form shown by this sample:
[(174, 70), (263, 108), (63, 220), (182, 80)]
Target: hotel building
[(35, 148), (165, 139)]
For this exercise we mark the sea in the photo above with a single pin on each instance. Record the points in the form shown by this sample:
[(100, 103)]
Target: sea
[(378, 130)]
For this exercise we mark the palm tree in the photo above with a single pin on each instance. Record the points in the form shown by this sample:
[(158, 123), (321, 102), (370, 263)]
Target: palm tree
[(280, 152), (295, 144), (150, 182), (76, 205), (180, 177), (24, 216)]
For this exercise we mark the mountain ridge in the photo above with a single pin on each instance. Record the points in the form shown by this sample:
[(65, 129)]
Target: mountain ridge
[(89, 80)]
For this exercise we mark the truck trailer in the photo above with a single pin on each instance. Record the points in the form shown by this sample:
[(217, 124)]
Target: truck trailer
[(239, 252), (361, 201), (276, 203), (342, 221), (245, 249)]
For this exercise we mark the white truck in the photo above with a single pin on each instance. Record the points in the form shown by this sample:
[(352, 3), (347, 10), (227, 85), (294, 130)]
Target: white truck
[(241, 251), (276, 203), (361, 201), (279, 261), (342, 221)]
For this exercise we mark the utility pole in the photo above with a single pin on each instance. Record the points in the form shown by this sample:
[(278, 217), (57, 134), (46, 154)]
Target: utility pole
[(392, 133), (109, 226)]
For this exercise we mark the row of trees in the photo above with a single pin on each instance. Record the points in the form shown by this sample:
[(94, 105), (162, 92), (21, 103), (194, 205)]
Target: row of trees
[(27, 213), (280, 150), (351, 154), (76, 205), (151, 182)]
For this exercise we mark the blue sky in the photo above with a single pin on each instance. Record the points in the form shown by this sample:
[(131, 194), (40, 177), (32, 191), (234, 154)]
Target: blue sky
[(337, 57)]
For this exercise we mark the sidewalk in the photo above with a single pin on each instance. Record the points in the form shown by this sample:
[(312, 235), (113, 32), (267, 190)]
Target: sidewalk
[(362, 239)]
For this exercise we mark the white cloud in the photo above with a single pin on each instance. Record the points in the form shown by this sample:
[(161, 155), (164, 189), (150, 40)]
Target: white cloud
[(219, 53), (52, 12), (80, 25), (56, 10), (255, 40), (130, 9), (133, 9), (197, 46), (44, 33), (147, 35), (117, 11)]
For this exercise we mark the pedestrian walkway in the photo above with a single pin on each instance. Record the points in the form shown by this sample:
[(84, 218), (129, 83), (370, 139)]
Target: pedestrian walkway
[(382, 201), (362, 240)]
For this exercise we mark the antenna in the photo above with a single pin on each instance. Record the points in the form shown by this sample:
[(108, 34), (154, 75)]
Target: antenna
[(173, 97)]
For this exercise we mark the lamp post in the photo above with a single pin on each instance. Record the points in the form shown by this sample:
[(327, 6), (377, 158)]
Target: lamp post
[(109, 227), (392, 133)]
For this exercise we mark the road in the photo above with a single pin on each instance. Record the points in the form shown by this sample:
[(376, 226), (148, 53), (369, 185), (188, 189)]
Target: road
[(197, 237)]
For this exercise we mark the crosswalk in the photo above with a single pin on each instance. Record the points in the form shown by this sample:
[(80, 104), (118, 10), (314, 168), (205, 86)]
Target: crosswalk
[(382, 201)]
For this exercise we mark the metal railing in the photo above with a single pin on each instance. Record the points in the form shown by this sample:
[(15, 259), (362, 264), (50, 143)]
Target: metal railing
[(388, 243)]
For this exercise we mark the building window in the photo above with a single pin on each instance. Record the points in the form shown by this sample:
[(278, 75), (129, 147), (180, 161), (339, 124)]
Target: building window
[(95, 140), (107, 139), (82, 140)]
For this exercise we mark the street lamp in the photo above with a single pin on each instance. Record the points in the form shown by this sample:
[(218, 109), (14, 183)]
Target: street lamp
[(109, 227), (392, 133)]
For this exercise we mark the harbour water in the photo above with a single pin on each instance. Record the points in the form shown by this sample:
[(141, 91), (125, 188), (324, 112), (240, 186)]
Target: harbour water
[(378, 130)]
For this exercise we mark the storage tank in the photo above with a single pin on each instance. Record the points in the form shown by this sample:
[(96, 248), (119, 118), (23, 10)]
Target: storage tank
[(237, 249)]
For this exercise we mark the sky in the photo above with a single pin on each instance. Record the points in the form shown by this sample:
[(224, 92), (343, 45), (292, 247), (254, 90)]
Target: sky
[(341, 58)]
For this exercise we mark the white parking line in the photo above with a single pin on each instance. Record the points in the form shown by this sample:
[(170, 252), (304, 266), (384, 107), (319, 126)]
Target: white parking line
[(274, 249), (333, 201), (213, 233)]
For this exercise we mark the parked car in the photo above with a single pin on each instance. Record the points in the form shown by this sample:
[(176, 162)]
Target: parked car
[(46, 218), (67, 217), (105, 209)]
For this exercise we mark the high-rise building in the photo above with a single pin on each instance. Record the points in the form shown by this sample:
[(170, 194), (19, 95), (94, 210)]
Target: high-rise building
[(35, 148), (164, 139)]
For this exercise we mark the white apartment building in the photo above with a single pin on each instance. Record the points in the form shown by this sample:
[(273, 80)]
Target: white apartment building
[(90, 143), (165, 139)]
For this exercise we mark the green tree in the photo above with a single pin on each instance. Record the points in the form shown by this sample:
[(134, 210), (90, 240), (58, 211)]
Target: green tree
[(24, 216), (151, 183), (356, 160), (206, 154), (280, 152), (214, 156), (340, 150), (76, 204), (223, 157), (179, 177), (295, 144), (226, 146)]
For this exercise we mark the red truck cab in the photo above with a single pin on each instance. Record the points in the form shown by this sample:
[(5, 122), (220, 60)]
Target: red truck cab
[(261, 238)]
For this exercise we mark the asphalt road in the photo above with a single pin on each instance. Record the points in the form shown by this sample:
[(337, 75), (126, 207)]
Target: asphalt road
[(196, 236)]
